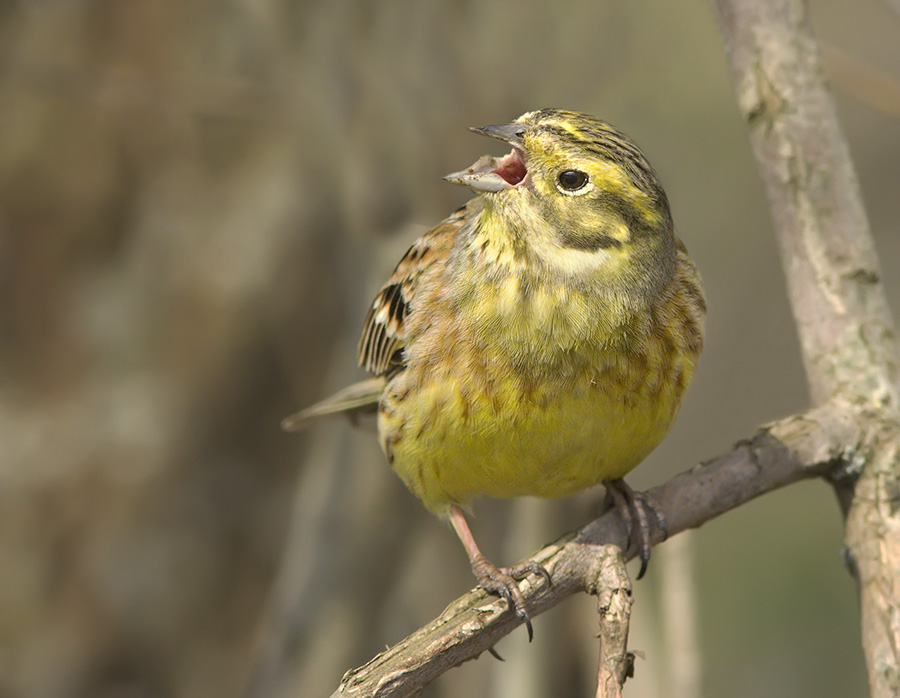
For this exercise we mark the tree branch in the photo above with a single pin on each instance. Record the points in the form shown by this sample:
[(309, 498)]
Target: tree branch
[(799, 447), (846, 332)]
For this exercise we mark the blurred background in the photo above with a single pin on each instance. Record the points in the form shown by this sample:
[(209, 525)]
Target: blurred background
[(197, 202)]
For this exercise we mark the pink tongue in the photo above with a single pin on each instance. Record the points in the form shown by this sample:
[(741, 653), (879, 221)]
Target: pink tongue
[(511, 168)]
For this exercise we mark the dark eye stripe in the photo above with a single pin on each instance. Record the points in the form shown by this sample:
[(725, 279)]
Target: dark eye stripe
[(588, 243)]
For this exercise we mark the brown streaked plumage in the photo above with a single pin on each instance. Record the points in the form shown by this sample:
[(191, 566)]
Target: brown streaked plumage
[(384, 333)]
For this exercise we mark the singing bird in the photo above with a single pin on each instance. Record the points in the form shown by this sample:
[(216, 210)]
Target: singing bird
[(540, 339)]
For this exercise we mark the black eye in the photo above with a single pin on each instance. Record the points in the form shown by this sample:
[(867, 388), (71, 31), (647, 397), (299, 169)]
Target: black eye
[(572, 180)]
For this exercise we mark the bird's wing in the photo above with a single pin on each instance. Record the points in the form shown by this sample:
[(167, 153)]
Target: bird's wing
[(384, 334)]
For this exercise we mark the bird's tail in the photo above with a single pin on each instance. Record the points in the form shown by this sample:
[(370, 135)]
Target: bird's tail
[(354, 400)]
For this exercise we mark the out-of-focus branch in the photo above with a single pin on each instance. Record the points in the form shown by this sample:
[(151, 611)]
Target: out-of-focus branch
[(802, 446), (894, 5), (846, 332), (680, 607), (872, 87)]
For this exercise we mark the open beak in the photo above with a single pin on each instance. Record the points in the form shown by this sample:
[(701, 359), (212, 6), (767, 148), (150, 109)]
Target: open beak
[(511, 133), (490, 174)]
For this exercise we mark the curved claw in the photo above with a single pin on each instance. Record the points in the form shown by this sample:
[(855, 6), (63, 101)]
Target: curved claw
[(528, 626), (503, 582), (632, 506)]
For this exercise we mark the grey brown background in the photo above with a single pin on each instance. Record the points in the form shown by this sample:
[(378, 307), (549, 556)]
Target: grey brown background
[(197, 201)]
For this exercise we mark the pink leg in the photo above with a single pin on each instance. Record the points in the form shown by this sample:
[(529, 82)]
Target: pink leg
[(496, 580)]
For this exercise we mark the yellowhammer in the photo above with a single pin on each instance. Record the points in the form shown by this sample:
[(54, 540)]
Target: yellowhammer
[(539, 340)]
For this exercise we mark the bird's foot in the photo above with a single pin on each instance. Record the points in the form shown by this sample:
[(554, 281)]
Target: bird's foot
[(633, 507), (503, 581)]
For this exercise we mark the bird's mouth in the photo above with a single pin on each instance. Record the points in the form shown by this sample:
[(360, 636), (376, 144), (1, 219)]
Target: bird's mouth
[(512, 167), (491, 174)]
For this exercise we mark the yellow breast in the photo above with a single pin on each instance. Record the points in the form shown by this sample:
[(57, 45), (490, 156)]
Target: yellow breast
[(450, 444), (470, 417)]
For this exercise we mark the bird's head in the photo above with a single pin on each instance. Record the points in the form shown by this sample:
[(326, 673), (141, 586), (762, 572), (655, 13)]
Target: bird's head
[(579, 195)]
